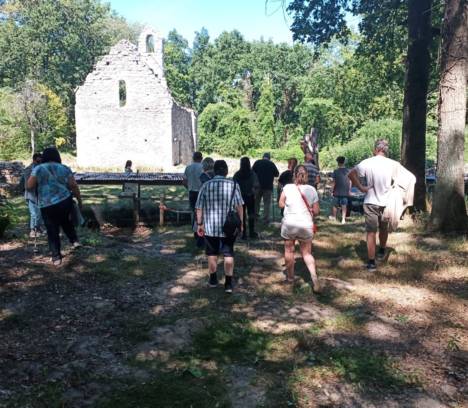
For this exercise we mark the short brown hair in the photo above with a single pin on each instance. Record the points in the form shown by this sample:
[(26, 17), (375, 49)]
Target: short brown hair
[(300, 175), (292, 160)]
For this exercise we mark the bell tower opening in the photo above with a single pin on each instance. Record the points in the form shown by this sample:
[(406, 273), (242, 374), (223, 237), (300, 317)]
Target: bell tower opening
[(149, 43)]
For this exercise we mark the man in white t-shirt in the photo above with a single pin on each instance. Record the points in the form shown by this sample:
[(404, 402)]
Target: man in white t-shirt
[(378, 171)]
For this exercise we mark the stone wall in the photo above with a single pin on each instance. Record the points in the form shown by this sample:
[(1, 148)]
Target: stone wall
[(182, 124), (10, 178), (144, 128)]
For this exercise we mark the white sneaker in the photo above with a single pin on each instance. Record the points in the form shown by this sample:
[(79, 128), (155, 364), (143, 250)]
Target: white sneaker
[(343, 221), (76, 244)]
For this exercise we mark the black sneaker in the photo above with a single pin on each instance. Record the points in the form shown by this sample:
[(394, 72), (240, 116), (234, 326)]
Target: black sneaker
[(213, 282), (228, 287), (371, 267), (381, 254)]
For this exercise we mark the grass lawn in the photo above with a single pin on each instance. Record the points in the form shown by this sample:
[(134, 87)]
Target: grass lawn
[(128, 320)]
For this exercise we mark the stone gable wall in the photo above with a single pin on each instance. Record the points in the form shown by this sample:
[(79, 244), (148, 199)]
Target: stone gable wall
[(143, 130)]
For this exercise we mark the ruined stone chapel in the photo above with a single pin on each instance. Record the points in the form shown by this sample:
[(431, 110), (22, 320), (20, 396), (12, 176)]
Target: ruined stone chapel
[(125, 111)]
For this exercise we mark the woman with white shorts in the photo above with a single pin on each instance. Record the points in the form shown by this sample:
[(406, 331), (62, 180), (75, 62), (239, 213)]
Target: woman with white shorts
[(300, 203)]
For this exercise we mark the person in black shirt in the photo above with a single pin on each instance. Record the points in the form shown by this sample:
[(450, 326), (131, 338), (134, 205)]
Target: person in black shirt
[(266, 172), (248, 183)]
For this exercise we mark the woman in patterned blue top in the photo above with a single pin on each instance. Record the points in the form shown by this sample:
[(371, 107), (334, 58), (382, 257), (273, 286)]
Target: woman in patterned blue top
[(55, 185)]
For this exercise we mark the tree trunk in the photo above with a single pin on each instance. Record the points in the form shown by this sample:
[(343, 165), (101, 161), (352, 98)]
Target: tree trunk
[(33, 141), (448, 209), (413, 146)]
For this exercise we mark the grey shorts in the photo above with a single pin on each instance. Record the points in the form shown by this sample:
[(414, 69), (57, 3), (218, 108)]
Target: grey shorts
[(373, 216), (296, 232)]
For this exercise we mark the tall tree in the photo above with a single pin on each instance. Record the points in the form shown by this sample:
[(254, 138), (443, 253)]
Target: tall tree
[(33, 104), (449, 209), (177, 59), (265, 115), (318, 22), (413, 146)]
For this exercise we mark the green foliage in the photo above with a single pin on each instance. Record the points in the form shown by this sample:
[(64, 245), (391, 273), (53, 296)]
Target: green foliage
[(330, 121), (13, 127), (265, 115), (34, 108), (226, 130), (55, 130), (361, 145), (53, 43), (176, 63)]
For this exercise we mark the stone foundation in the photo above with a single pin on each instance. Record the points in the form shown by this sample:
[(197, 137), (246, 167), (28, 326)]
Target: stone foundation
[(10, 178)]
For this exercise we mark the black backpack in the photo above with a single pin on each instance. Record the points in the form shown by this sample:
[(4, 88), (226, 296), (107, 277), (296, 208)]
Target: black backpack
[(232, 224)]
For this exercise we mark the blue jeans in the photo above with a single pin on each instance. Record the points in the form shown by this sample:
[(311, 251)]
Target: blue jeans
[(35, 217)]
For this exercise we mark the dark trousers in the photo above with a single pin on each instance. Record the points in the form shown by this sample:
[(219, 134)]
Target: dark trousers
[(249, 209), (193, 196), (56, 216)]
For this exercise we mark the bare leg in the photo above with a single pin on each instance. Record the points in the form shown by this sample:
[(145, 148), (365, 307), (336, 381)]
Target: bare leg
[(306, 252), (371, 236), (383, 236), (289, 258), (334, 211), (343, 214), (228, 266), (212, 263)]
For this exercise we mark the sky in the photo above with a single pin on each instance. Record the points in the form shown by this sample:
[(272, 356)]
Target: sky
[(252, 18)]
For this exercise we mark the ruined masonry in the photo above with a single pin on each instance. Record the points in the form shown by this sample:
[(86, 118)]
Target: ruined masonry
[(124, 111)]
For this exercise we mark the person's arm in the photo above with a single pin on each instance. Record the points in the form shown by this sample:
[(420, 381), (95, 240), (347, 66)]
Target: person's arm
[(73, 186), (240, 213), (32, 183), (316, 208), (200, 225), (354, 177), (282, 201), (184, 180), (276, 172)]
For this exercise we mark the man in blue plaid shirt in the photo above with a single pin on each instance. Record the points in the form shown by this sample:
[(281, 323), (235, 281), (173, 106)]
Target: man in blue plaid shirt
[(211, 208)]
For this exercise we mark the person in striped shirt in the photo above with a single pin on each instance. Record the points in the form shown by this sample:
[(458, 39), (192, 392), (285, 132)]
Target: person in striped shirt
[(212, 206)]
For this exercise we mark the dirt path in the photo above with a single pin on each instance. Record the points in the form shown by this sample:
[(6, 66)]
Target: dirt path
[(128, 321)]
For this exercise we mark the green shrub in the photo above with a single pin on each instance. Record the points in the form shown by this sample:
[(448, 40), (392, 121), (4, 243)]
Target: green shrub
[(332, 123), (14, 138), (362, 144), (226, 130)]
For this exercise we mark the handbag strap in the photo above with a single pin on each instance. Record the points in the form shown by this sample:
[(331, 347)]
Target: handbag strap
[(304, 199)]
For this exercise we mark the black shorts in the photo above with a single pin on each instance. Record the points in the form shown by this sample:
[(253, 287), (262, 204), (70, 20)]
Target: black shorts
[(217, 245)]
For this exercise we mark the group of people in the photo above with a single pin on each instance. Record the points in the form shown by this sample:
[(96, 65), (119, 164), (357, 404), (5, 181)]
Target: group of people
[(215, 197), (212, 196), (49, 191), (50, 188)]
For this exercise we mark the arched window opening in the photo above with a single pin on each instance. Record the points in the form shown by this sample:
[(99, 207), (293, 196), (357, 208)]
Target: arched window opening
[(150, 43), (122, 93)]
